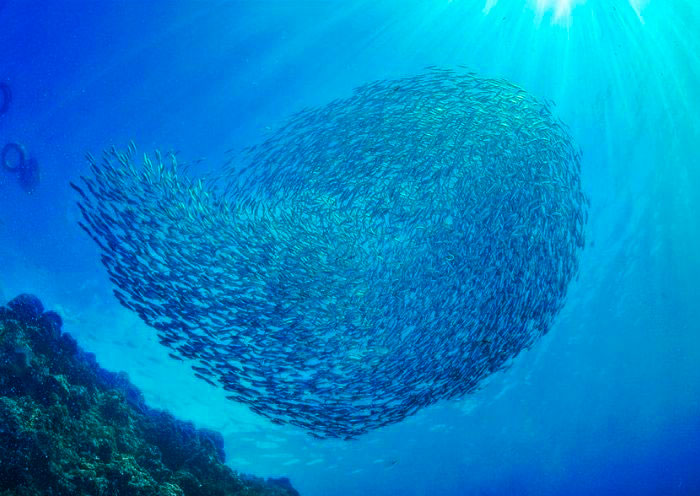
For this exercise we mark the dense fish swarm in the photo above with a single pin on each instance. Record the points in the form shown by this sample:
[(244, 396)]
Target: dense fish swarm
[(371, 257)]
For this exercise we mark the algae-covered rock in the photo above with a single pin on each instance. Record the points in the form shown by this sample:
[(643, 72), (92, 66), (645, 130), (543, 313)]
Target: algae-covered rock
[(70, 428)]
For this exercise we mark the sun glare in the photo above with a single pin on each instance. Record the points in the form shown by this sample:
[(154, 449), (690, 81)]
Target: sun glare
[(561, 11)]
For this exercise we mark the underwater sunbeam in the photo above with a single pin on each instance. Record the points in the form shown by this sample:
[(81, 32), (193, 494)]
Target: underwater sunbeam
[(562, 10)]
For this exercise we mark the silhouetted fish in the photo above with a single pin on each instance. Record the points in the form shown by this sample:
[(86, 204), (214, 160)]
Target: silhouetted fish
[(371, 257)]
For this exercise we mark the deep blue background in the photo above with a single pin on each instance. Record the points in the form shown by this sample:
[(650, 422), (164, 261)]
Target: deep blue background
[(607, 403)]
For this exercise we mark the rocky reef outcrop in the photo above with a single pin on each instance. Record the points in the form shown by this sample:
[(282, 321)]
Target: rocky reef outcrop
[(69, 427)]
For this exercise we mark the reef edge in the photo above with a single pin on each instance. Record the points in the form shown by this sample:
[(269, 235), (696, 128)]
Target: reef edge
[(70, 427)]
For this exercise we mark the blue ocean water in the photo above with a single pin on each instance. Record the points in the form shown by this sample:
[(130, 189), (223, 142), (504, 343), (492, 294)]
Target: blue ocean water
[(607, 403)]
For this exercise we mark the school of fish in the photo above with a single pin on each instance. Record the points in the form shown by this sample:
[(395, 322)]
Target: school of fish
[(369, 258)]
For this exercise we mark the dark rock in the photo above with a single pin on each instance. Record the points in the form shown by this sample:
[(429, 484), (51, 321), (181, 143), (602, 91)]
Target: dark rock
[(114, 408), (78, 401), (284, 483), (26, 307), (52, 321), (48, 331), (69, 345), (89, 358), (52, 384), (131, 392), (104, 451), (16, 360), (5, 313), (217, 441)]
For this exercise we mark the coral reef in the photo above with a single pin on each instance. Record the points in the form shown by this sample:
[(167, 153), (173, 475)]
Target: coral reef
[(68, 427)]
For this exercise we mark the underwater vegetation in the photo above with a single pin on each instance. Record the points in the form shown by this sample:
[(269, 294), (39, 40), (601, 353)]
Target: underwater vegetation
[(371, 257), (69, 428)]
